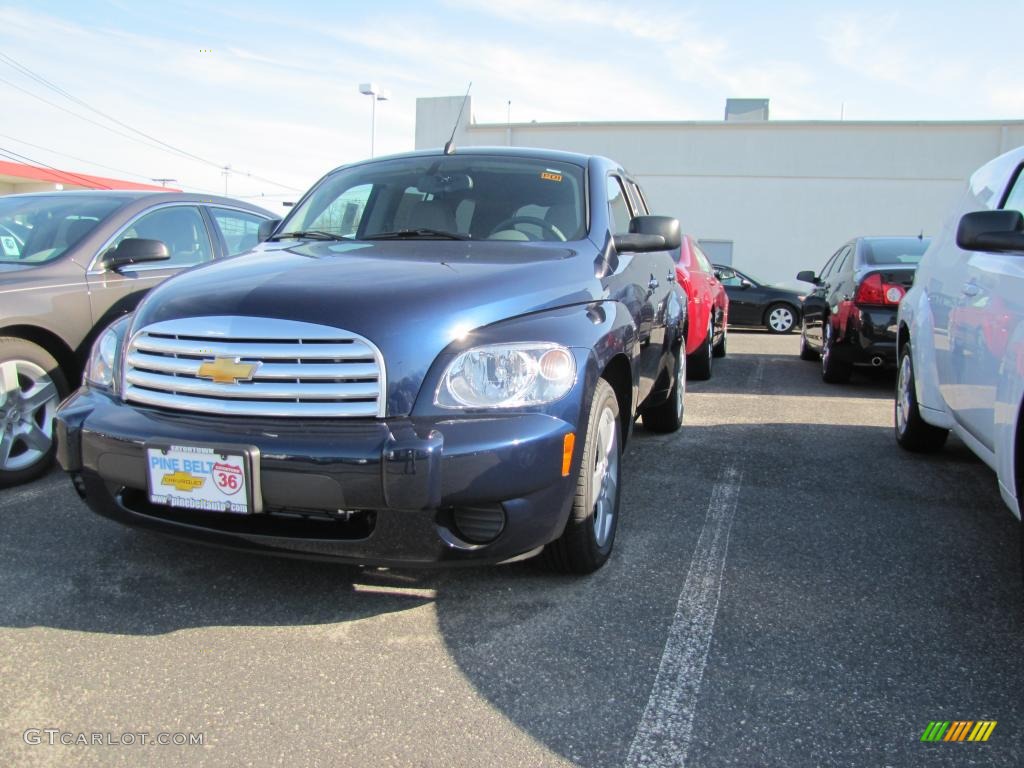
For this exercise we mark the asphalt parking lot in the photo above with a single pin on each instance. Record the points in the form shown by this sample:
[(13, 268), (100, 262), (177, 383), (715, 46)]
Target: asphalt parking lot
[(788, 588)]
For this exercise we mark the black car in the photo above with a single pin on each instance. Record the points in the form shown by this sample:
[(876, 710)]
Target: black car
[(755, 303), (70, 264), (436, 358), (850, 317)]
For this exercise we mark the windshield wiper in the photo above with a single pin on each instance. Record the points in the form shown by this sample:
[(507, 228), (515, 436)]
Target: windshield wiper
[(310, 234), (421, 232)]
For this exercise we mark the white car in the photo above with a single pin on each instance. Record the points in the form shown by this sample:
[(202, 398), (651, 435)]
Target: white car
[(961, 336)]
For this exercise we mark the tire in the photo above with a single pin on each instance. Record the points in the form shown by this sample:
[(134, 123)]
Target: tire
[(31, 386), (780, 318), (913, 432), (668, 417), (589, 534), (719, 349), (833, 371), (698, 365), (806, 353)]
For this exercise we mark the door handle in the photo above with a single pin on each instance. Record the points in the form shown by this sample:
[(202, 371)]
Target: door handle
[(971, 289)]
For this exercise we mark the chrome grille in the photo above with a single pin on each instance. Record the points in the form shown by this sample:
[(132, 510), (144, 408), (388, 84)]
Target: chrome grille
[(301, 369)]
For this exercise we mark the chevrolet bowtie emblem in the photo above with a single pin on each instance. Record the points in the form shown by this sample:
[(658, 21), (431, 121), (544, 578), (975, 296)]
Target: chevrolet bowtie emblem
[(227, 370)]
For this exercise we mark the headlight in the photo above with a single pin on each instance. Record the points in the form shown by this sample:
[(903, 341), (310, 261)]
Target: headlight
[(104, 360), (507, 376)]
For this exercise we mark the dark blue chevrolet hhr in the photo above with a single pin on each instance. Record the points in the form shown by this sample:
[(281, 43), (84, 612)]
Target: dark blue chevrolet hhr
[(436, 358)]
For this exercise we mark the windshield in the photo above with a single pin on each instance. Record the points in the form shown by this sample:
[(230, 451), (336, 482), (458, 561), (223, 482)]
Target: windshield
[(896, 250), (35, 230), (452, 197)]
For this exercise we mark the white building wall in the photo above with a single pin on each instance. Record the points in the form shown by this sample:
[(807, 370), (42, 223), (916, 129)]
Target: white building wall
[(787, 194)]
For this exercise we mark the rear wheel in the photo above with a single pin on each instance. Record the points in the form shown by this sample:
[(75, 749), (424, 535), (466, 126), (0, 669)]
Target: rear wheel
[(913, 432), (699, 363), (31, 387), (833, 370), (589, 534), (668, 416), (780, 318)]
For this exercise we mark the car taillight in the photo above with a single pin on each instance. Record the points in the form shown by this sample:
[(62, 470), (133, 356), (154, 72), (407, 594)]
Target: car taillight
[(873, 290)]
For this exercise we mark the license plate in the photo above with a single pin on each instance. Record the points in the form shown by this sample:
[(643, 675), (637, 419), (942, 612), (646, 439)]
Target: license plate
[(200, 478)]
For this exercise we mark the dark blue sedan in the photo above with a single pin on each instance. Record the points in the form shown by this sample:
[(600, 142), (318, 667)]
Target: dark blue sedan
[(436, 358)]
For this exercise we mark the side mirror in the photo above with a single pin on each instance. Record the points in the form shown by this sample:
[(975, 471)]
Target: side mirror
[(135, 250), (744, 283), (808, 276), (997, 231), (665, 227), (267, 229)]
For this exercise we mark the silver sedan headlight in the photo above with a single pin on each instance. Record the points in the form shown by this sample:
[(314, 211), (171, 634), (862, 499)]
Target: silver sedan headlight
[(507, 376), (103, 367)]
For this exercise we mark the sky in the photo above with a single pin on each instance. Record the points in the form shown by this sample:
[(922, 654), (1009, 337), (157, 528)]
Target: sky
[(271, 89)]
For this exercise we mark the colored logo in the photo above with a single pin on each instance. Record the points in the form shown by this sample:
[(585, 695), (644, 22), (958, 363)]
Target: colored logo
[(958, 730), (227, 370), (183, 481), (228, 478)]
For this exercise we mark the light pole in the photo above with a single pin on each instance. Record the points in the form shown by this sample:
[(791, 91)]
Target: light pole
[(376, 93)]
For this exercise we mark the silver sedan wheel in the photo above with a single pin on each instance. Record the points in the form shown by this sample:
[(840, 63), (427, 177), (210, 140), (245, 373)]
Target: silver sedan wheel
[(604, 482), (781, 319), (28, 401), (903, 395)]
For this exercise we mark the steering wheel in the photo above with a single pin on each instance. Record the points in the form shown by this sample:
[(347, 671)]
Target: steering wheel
[(545, 226)]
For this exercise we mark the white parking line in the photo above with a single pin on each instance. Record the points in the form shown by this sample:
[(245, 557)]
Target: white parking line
[(663, 736)]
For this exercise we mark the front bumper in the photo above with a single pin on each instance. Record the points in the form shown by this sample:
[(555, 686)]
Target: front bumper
[(378, 492)]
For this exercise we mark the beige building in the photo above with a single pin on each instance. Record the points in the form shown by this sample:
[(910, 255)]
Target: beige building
[(772, 197)]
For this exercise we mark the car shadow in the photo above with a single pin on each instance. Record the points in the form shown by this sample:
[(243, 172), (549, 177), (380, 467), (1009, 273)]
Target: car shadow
[(571, 660)]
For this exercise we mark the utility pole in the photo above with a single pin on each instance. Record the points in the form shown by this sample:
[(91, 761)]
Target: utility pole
[(163, 182), (226, 172)]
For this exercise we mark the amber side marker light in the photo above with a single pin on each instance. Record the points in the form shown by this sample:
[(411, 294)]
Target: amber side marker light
[(568, 443)]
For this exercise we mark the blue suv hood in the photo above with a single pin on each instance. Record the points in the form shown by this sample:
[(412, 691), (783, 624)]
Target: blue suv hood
[(410, 298)]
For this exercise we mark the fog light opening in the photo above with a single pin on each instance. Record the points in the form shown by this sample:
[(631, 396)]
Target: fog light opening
[(478, 525)]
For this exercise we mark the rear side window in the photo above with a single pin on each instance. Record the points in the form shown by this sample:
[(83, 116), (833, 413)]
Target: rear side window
[(1015, 200), (240, 229)]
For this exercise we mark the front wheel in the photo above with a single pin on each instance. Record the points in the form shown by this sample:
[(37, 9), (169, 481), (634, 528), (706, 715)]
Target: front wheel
[(719, 349), (31, 386), (913, 432), (833, 370), (780, 318), (589, 534), (806, 353)]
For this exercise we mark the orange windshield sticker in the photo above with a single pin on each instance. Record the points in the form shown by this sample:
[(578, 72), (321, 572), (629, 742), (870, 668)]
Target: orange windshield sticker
[(549, 176)]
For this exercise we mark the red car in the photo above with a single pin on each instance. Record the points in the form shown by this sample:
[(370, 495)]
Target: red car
[(708, 309)]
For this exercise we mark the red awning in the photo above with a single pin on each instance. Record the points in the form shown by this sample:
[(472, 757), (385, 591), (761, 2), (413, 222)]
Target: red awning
[(72, 178)]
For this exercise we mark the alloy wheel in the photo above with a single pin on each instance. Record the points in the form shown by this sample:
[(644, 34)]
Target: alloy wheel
[(28, 401), (605, 479)]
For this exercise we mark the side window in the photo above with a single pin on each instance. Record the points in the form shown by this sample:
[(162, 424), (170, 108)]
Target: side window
[(181, 228), (618, 208), (827, 269), (240, 229), (843, 261), (705, 265), (1015, 200), (729, 277)]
